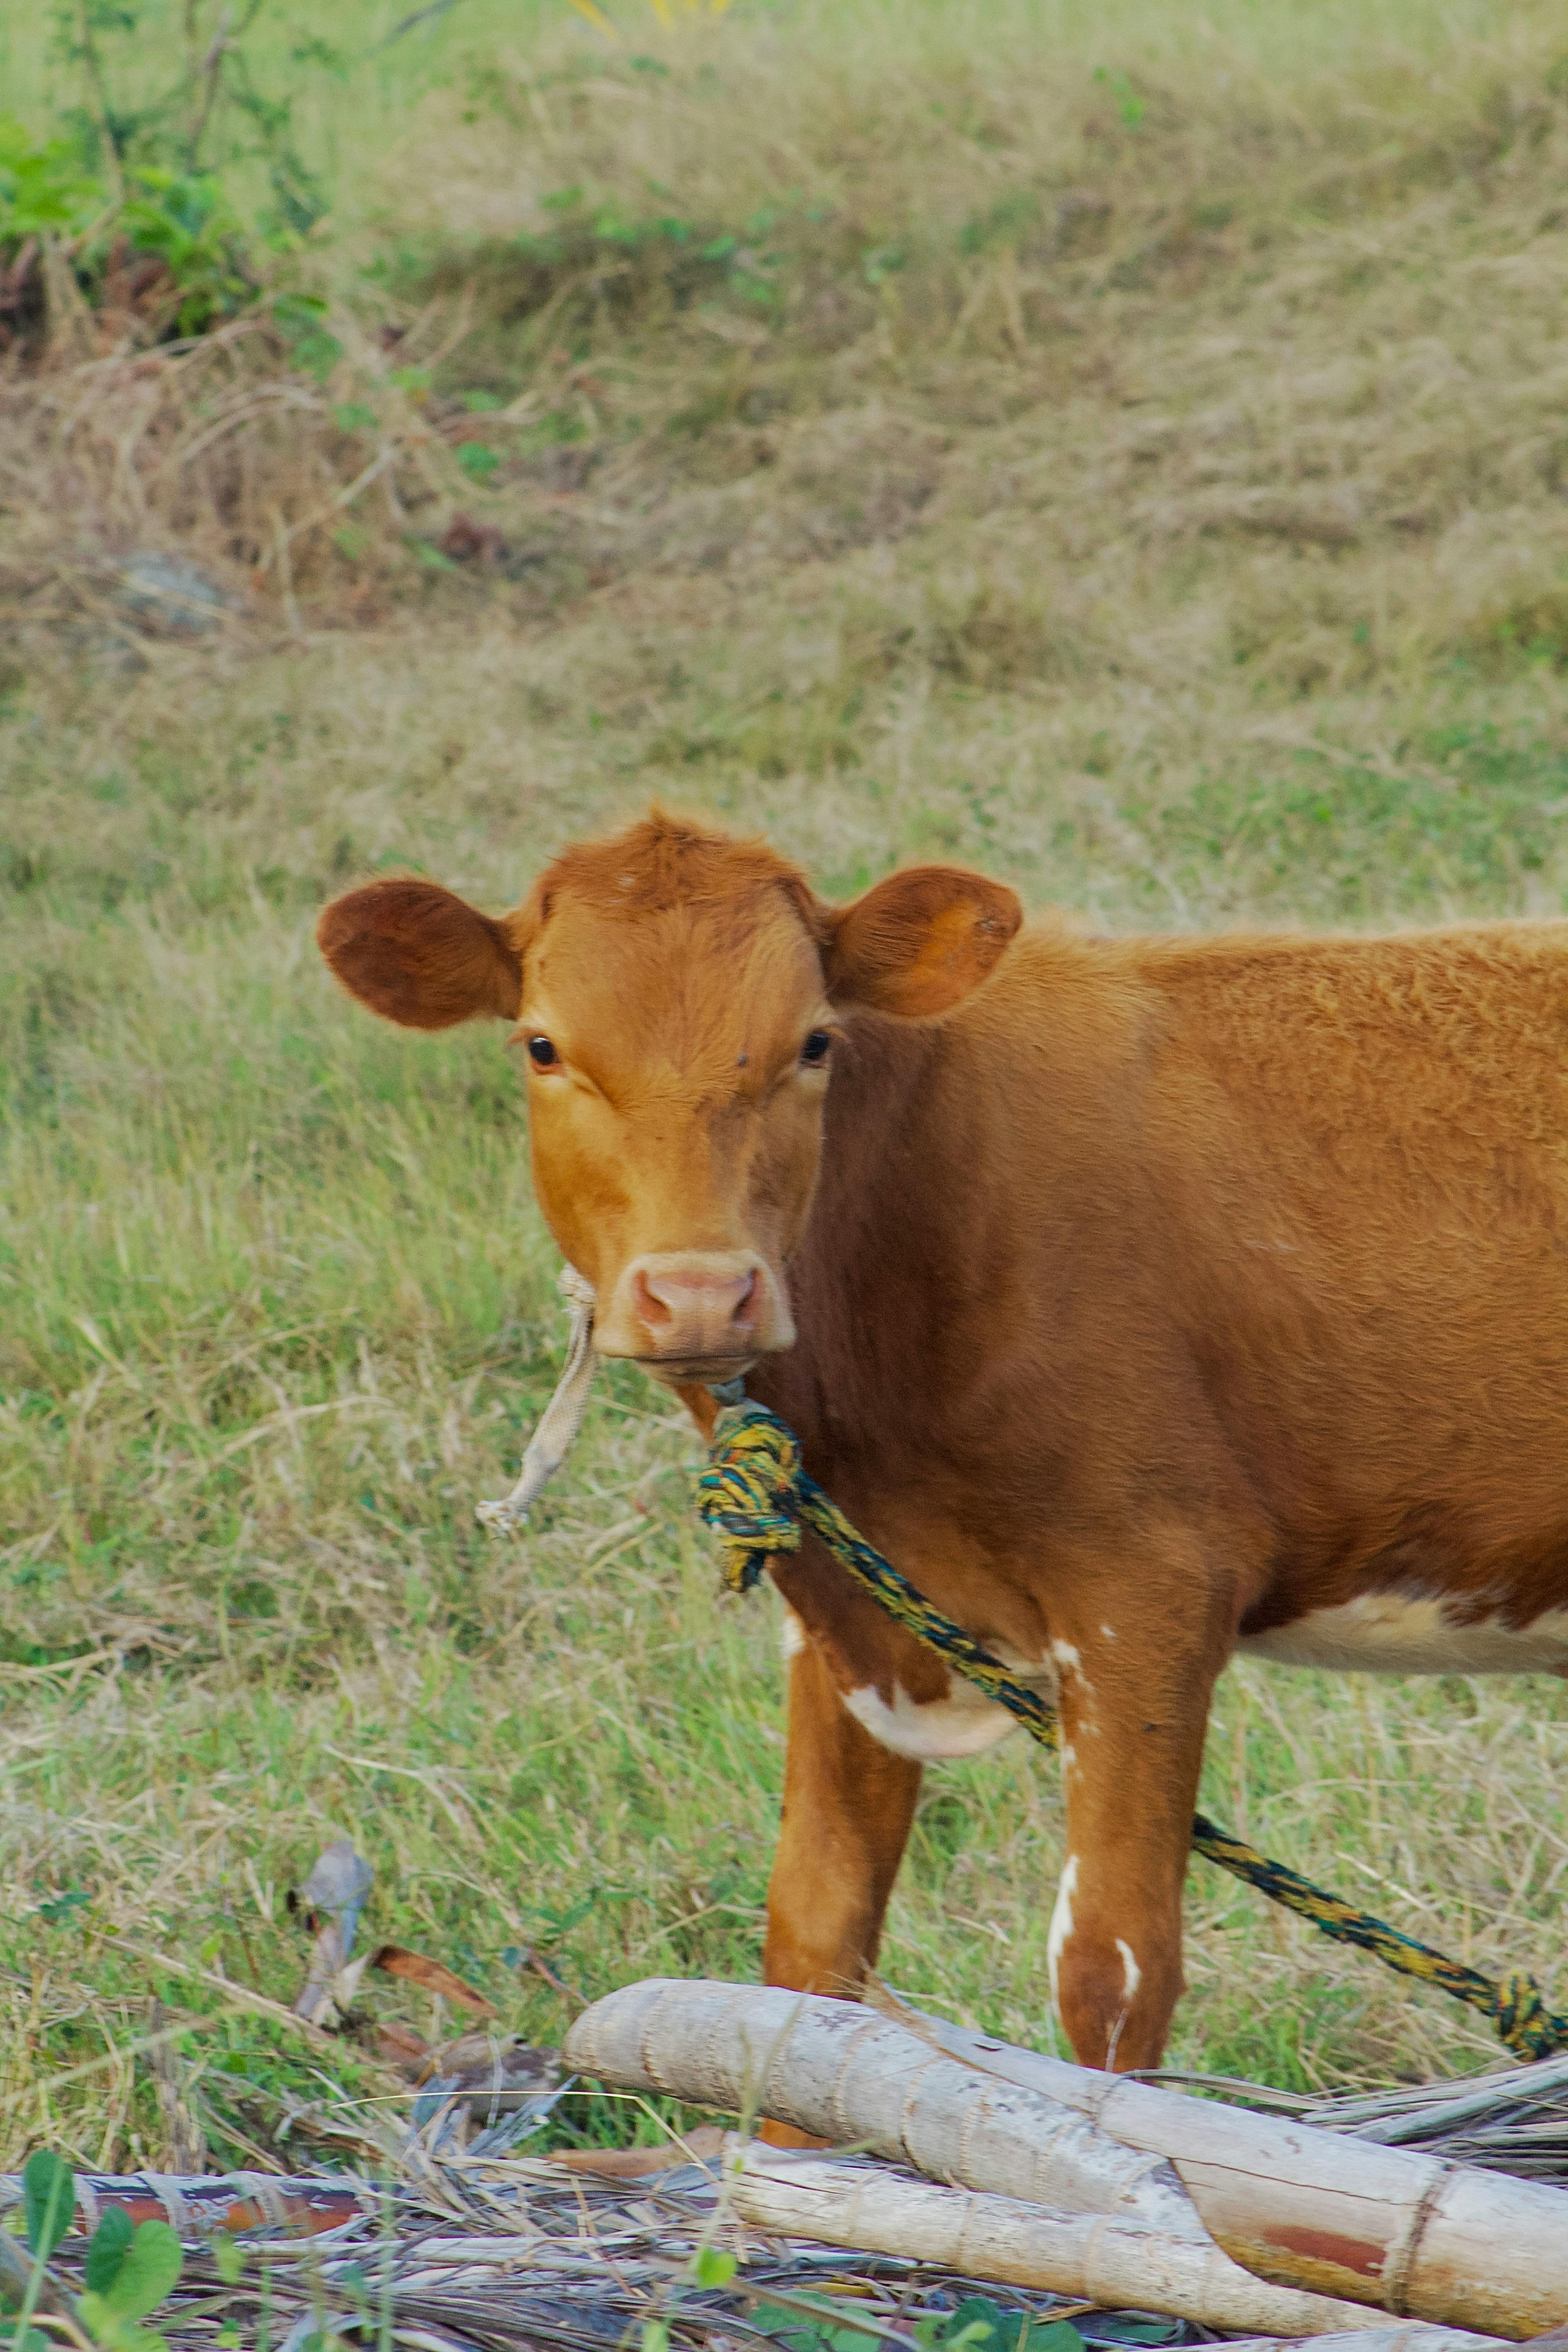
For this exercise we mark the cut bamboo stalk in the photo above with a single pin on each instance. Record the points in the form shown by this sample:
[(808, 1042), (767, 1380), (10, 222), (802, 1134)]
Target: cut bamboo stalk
[(1313, 2208), (1400, 2335), (1092, 2256), (1297, 2205), (833, 2069)]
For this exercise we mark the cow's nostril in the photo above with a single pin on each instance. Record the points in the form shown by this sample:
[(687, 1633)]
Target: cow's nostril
[(651, 1309), (743, 1311)]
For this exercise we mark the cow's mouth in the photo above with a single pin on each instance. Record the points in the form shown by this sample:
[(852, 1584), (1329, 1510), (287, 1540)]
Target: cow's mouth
[(697, 1371)]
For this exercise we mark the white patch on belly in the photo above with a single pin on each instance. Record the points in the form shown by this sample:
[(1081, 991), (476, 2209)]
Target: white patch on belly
[(1061, 1923), (1414, 1633), (964, 1723), (1132, 1974)]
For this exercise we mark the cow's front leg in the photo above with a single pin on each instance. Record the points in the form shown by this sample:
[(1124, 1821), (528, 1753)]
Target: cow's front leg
[(1132, 1742), (847, 1805)]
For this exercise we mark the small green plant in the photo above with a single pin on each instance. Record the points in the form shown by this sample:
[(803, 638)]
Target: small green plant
[(153, 180), (46, 189), (131, 2270), (216, 114), (1130, 109), (130, 2267), (184, 220), (977, 2326)]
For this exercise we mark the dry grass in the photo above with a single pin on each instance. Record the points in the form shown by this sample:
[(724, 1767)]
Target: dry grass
[(1187, 540)]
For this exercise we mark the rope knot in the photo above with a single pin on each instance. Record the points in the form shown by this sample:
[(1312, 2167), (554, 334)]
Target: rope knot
[(747, 1493), (1523, 2020)]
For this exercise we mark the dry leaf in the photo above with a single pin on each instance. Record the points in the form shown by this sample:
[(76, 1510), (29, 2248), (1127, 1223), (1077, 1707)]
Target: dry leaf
[(393, 1960)]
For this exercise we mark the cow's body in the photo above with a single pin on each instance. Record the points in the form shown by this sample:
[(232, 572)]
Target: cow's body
[(1163, 1298), (1156, 1298)]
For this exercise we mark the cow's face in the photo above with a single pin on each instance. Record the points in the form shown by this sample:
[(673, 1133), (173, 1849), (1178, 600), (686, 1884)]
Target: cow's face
[(677, 996)]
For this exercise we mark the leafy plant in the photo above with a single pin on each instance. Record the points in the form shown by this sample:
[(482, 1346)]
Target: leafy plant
[(303, 320), (129, 2272), (45, 188), (215, 115), (185, 221), (977, 2326), (153, 180), (48, 2202), (1130, 109), (130, 2267)]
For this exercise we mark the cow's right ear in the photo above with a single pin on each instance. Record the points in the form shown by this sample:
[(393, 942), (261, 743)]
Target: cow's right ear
[(418, 954), (918, 942)]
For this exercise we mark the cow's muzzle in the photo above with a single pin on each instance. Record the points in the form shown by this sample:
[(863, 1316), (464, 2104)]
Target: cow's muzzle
[(696, 1313)]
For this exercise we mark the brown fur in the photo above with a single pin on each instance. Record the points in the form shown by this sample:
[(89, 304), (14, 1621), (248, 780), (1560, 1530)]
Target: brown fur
[(1151, 1295)]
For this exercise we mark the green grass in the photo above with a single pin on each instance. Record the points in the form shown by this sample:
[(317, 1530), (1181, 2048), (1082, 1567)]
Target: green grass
[(276, 1306)]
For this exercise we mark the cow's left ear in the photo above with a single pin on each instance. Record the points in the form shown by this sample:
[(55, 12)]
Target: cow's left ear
[(919, 940)]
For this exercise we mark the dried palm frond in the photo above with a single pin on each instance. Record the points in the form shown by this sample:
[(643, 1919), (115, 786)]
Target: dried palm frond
[(476, 2251)]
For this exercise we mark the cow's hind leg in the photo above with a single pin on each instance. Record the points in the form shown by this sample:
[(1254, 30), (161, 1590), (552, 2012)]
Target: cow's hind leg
[(1133, 1739)]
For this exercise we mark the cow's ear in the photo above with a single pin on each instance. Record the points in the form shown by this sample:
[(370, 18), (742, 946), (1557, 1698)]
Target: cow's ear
[(919, 940), (418, 954)]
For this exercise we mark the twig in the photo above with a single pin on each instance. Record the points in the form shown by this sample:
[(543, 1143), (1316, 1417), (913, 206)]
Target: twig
[(419, 16), (210, 72), (285, 575), (93, 66)]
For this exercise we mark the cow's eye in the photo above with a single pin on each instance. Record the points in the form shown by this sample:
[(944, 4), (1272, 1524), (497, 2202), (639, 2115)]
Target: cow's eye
[(543, 1054), (815, 1050)]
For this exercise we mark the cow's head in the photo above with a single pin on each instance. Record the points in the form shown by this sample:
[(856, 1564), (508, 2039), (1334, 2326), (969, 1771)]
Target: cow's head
[(677, 995)]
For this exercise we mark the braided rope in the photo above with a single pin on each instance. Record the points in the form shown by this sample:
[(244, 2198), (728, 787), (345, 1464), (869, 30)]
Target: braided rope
[(755, 1495)]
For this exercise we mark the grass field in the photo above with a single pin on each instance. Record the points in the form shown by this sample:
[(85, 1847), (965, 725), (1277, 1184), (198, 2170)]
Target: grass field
[(1127, 453)]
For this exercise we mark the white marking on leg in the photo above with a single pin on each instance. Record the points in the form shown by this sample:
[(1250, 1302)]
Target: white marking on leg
[(792, 1636), (1132, 1974), (1060, 1930), (965, 1722)]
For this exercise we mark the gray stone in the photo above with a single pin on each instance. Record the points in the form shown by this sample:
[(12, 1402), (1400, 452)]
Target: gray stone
[(169, 593)]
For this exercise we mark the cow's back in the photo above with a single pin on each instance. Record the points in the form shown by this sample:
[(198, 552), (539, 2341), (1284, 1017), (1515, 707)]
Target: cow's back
[(1358, 1150)]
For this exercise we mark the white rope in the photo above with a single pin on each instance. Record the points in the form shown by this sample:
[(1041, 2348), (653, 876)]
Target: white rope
[(553, 1440)]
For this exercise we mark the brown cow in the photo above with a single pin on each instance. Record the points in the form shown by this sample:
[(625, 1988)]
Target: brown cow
[(1144, 1299)]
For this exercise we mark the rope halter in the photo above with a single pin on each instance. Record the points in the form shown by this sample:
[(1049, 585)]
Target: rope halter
[(553, 1440), (749, 1493)]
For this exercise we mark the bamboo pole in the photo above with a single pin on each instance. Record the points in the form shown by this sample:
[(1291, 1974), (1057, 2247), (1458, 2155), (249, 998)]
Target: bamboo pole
[(1402, 2336), (1315, 2208), (1298, 2206), (830, 2068), (1093, 2256)]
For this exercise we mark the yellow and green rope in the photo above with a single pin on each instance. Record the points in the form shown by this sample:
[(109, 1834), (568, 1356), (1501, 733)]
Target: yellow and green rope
[(757, 1497)]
